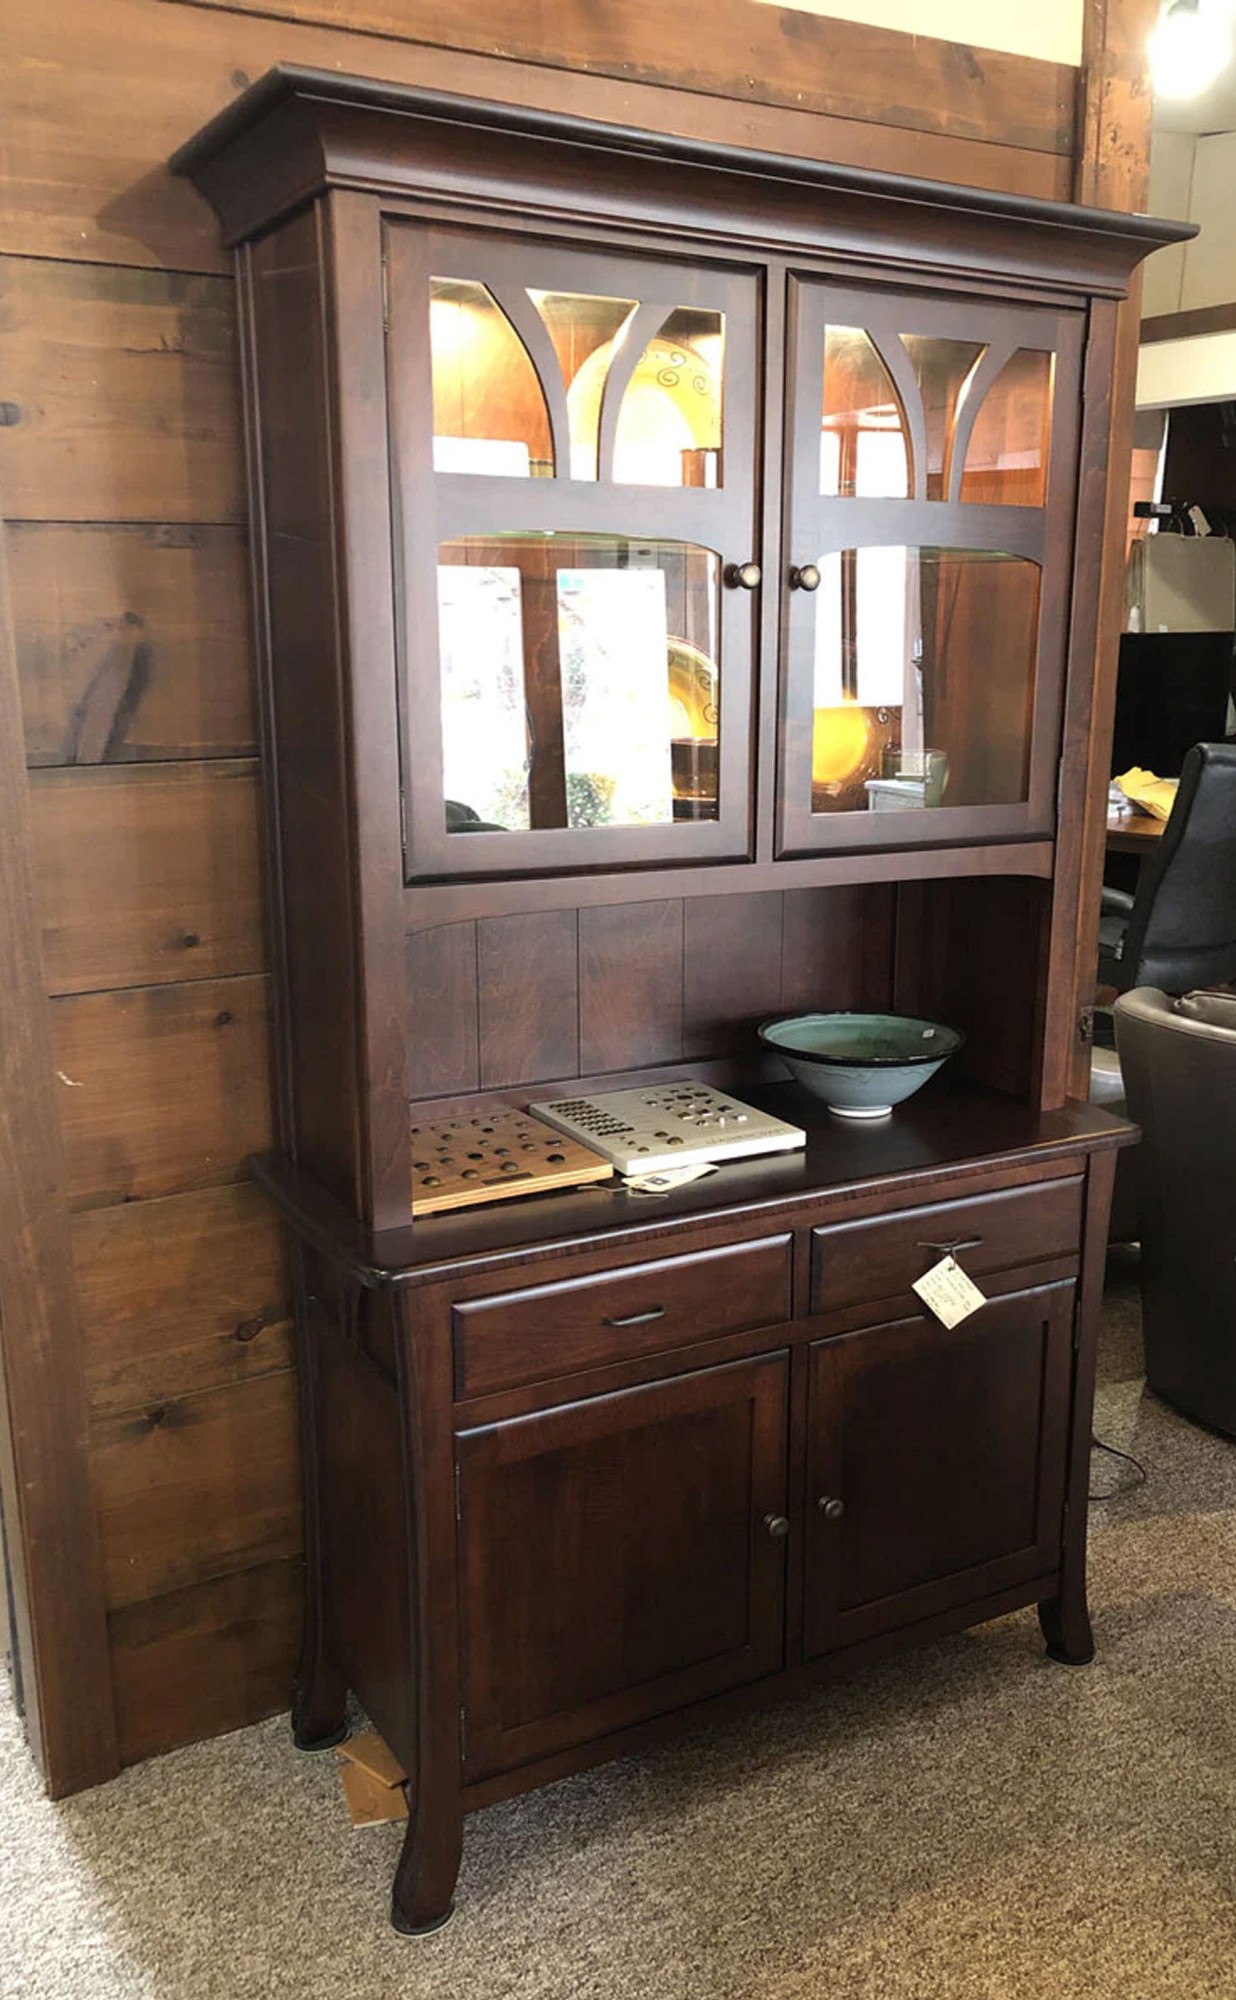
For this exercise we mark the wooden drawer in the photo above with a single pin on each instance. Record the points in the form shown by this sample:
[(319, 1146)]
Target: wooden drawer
[(852, 1262), (501, 1343)]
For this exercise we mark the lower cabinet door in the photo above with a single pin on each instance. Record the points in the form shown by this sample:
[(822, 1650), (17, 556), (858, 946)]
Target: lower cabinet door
[(936, 1463), (620, 1557)]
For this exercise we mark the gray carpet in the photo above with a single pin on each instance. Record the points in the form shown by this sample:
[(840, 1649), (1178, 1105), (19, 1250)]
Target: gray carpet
[(967, 1823)]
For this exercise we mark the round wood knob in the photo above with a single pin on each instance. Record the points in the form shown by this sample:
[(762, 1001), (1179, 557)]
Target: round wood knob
[(743, 576), (806, 578), (832, 1510), (777, 1526)]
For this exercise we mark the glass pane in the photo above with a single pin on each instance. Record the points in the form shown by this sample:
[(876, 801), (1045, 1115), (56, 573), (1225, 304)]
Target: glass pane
[(945, 370), (923, 679), (586, 333), (864, 448), (1006, 459), (669, 421), (580, 681), (489, 411)]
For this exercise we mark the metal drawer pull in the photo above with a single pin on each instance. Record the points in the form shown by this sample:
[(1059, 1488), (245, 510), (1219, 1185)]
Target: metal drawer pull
[(832, 1510), (636, 1319), (777, 1526), (951, 1249), (742, 576)]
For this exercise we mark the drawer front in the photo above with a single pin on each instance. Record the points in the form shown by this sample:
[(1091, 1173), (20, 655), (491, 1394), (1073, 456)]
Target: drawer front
[(856, 1261), (531, 1336)]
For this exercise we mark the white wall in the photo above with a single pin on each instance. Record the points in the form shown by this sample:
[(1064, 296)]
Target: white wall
[(1200, 370), (1171, 194), (1210, 263), (1050, 29)]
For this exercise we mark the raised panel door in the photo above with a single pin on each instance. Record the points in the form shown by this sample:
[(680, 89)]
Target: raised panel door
[(936, 1463), (620, 1557)]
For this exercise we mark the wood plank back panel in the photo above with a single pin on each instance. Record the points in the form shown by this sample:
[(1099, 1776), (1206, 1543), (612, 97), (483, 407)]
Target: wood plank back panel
[(51, 1534), (196, 1488), (162, 1088), (132, 642), (528, 976), (147, 874), (779, 56), (82, 183), (122, 393), (209, 1658), (181, 1295), (630, 976)]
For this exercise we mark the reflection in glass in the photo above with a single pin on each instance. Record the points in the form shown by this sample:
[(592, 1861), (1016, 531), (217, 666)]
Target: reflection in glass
[(489, 413), (923, 678), (579, 681), (669, 420), (668, 430), (1010, 444), (580, 327), (944, 370), (864, 447)]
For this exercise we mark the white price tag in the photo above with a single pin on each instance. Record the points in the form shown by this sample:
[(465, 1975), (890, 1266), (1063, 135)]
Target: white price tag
[(947, 1292)]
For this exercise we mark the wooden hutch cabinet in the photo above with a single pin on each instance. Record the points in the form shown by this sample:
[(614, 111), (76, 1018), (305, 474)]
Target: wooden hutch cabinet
[(676, 577)]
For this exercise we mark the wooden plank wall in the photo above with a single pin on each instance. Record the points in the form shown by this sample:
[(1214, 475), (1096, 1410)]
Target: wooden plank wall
[(121, 485)]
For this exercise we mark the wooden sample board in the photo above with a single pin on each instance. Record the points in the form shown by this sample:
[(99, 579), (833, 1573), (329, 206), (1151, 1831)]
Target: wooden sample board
[(461, 1162)]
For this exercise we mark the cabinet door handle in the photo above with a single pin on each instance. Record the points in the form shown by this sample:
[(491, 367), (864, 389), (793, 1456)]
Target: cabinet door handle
[(951, 1249), (832, 1510), (636, 1319), (742, 576), (805, 578), (777, 1526)]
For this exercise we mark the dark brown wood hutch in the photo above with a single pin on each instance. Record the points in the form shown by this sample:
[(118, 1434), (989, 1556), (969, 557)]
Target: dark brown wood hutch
[(676, 578)]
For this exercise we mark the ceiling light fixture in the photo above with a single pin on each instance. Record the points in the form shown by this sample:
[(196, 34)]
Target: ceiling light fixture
[(1188, 49)]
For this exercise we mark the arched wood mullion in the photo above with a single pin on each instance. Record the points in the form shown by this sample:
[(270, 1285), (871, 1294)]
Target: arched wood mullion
[(900, 372), (540, 349), (642, 326), (983, 379)]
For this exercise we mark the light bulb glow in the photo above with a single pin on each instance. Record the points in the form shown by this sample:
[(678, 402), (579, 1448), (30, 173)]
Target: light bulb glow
[(1188, 49)]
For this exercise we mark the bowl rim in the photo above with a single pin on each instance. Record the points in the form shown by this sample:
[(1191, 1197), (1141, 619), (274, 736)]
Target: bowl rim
[(851, 1061)]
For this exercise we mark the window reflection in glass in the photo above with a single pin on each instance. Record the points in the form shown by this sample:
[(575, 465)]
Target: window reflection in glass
[(489, 412), (944, 370), (580, 681), (864, 448), (923, 678), (1010, 444)]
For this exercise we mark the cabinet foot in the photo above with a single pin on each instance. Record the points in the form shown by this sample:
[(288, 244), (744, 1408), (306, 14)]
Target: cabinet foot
[(1066, 1628), (422, 1898)]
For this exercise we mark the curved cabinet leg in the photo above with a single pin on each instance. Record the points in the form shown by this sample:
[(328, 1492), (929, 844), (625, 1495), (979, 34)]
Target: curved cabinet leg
[(421, 1899), (1065, 1623)]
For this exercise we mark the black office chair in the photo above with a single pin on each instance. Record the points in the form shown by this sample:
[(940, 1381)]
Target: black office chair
[(1178, 931)]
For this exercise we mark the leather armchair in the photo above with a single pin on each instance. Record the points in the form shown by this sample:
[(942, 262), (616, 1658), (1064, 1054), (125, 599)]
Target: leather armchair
[(1179, 930), (1178, 1058)]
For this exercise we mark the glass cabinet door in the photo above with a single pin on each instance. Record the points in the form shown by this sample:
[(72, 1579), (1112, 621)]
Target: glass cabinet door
[(575, 515), (933, 460)]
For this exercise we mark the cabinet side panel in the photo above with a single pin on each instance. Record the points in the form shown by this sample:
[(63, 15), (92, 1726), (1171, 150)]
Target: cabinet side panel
[(302, 672), (972, 953)]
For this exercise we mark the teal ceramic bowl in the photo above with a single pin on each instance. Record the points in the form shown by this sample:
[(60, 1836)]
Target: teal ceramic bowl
[(860, 1064)]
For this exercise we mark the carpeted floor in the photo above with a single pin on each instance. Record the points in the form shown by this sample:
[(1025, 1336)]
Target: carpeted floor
[(967, 1823)]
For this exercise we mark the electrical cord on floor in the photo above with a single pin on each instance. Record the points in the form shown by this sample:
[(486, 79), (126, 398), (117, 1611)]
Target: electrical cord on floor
[(1130, 1485)]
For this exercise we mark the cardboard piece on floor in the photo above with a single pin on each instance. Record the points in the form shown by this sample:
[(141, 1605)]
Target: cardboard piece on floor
[(372, 1781)]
